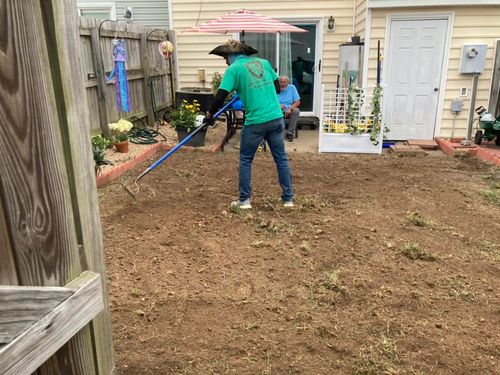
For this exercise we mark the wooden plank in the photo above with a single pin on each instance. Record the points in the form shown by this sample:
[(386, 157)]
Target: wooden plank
[(101, 82), (173, 64), (8, 275), (80, 166), (159, 72), (20, 307), (146, 81), (494, 104), (33, 171), (35, 345), (120, 34)]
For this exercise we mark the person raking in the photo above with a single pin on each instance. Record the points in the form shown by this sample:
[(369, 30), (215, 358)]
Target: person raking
[(257, 85)]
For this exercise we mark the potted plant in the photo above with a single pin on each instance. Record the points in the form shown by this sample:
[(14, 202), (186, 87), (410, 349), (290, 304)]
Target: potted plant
[(99, 146), (120, 133), (185, 120)]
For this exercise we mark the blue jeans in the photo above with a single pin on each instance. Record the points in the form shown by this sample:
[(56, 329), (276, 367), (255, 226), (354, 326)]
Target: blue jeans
[(251, 137)]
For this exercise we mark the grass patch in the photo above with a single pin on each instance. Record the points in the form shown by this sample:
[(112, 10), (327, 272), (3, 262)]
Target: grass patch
[(414, 251), (331, 281), (492, 196), (490, 250), (136, 292), (381, 358), (460, 288), (417, 219)]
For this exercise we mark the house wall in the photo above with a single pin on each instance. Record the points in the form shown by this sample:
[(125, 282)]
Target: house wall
[(152, 13), (478, 24), (193, 48), (360, 19)]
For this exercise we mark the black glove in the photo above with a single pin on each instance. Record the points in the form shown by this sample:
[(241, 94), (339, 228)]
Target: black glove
[(209, 120)]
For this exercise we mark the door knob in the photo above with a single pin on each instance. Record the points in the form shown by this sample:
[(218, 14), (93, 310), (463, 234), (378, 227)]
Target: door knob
[(436, 89)]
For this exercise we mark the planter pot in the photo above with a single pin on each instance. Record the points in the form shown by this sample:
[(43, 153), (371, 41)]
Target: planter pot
[(203, 95), (360, 143), (122, 146), (197, 141)]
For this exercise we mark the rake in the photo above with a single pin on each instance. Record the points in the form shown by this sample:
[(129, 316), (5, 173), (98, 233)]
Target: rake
[(133, 192)]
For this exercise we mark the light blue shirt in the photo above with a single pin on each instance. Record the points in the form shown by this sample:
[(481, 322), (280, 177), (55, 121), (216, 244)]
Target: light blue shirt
[(288, 96)]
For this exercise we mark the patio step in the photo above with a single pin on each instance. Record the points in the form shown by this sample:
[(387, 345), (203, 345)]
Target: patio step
[(424, 144), (407, 150)]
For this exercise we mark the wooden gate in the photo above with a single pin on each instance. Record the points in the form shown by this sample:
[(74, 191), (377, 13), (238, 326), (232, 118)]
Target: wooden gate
[(54, 314)]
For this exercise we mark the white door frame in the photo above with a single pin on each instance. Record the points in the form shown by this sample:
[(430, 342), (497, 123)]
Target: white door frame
[(319, 22), (422, 16)]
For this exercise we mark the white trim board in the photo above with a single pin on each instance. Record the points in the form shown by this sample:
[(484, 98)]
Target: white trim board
[(450, 17), (427, 3)]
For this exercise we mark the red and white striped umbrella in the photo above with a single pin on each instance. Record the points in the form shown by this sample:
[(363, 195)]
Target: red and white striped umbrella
[(244, 20)]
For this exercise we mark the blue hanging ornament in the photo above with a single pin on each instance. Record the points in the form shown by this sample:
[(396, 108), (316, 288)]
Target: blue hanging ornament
[(120, 71)]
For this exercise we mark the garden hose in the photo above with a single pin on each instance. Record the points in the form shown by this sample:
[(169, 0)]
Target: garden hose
[(144, 136)]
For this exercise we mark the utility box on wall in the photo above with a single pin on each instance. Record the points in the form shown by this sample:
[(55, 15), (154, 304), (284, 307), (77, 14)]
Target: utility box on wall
[(473, 58)]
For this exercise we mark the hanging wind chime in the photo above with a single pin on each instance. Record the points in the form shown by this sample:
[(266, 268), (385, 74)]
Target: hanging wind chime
[(119, 71)]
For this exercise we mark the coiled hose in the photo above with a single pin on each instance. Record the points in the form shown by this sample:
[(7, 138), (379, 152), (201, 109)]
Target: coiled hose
[(144, 136)]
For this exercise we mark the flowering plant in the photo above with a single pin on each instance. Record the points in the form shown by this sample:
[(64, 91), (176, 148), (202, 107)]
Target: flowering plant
[(184, 117), (119, 130)]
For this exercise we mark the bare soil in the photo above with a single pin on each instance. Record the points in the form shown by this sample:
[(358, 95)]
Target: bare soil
[(386, 265)]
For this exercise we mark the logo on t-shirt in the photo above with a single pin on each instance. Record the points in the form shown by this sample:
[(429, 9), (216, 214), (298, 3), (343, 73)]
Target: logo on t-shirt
[(256, 69)]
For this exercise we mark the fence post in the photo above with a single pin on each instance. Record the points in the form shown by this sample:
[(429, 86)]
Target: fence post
[(173, 67), (146, 80), (50, 190), (101, 80)]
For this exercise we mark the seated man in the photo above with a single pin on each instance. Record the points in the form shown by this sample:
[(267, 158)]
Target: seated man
[(290, 100)]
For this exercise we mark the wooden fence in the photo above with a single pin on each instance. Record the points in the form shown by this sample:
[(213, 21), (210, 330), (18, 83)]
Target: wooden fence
[(151, 78), (54, 312)]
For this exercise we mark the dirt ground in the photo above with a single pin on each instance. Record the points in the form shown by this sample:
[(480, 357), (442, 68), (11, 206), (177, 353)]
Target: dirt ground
[(386, 265)]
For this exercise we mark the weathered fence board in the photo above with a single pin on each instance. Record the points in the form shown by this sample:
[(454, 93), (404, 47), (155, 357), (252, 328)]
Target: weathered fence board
[(49, 225), (143, 61), (21, 306), (36, 344), (80, 167)]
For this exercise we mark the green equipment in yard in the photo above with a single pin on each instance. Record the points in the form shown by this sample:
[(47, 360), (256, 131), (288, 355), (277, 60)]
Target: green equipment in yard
[(489, 127)]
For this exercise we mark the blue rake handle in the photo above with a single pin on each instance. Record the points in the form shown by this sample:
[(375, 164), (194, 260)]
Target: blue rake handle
[(184, 141)]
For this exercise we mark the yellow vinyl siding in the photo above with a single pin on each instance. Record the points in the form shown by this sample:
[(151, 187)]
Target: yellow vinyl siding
[(360, 20), (193, 48), (479, 24)]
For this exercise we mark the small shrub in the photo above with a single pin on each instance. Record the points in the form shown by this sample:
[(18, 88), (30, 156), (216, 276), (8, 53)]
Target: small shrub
[(99, 145), (417, 219)]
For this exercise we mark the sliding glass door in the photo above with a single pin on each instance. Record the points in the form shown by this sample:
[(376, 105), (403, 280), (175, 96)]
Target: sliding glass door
[(293, 55)]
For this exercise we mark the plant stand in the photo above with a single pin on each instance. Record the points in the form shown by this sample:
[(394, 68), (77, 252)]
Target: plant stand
[(338, 111)]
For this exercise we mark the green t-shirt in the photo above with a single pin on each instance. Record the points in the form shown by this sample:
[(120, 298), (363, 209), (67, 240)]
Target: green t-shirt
[(253, 79)]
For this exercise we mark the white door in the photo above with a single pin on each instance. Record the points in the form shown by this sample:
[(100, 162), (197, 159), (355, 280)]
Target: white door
[(413, 76)]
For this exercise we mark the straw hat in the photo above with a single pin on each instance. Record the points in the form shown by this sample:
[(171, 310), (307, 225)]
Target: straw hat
[(233, 46)]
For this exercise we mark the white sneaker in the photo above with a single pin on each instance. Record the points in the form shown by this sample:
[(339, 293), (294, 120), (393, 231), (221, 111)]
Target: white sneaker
[(288, 204), (242, 205)]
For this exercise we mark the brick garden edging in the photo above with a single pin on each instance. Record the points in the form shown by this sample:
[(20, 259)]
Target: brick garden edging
[(485, 154), (118, 170)]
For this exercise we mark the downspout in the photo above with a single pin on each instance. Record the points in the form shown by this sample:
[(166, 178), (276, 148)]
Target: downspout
[(170, 16)]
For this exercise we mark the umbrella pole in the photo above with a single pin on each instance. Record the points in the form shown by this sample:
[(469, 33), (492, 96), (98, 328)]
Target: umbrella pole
[(243, 36)]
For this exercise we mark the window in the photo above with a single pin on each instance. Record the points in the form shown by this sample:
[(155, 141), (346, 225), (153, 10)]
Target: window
[(105, 10)]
